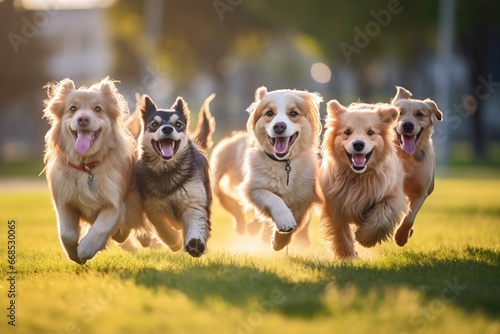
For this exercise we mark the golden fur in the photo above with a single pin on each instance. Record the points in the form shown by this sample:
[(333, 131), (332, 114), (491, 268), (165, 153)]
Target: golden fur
[(359, 187), (114, 207), (418, 156), (286, 125)]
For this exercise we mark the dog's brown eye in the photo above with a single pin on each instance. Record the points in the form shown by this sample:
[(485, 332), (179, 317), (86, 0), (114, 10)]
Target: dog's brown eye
[(97, 109), (178, 125), (347, 132), (154, 125), (294, 114), (269, 113), (419, 114), (72, 108), (370, 133)]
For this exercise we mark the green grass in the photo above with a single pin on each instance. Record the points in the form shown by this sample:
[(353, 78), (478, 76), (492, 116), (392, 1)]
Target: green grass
[(446, 280)]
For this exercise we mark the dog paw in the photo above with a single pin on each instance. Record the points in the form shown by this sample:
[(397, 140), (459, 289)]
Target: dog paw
[(402, 235), (195, 247), (88, 248), (286, 223)]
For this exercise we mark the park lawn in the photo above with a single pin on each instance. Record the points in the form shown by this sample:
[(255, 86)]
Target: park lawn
[(445, 280)]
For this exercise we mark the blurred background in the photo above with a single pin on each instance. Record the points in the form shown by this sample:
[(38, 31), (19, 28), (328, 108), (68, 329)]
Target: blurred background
[(447, 50)]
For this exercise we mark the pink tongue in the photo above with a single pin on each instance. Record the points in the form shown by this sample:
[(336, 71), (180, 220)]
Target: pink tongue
[(408, 144), (83, 141), (167, 148), (281, 145), (358, 159)]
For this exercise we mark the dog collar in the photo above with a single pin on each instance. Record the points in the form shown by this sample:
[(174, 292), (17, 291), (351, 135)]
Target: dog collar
[(84, 167), (288, 168), (87, 168)]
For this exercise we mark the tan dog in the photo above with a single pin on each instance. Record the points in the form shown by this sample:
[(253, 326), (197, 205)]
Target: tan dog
[(414, 141), (226, 163), (280, 169), (361, 176), (90, 157)]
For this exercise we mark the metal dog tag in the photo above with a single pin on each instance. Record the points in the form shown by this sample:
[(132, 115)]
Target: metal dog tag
[(92, 182)]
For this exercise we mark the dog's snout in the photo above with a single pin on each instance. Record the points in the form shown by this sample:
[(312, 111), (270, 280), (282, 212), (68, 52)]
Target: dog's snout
[(408, 126), (167, 130), (358, 145), (83, 120), (279, 128)]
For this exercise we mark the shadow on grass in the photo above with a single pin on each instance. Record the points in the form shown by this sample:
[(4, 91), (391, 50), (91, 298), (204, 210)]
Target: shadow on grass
[(468, 280)]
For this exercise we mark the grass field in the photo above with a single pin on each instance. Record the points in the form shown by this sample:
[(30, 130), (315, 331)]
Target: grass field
[(446, 280)]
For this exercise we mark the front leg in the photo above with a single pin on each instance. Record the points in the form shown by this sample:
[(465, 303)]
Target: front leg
[(380, 220), (405, 230), (272, 206), (338, 232), (104, 226), (68, 220), (196, 226)]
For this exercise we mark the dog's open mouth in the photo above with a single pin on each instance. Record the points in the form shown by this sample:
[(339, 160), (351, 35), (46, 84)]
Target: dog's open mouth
[(282, 145), (408, 143), (166, 148), (359, 160), (84, 140)]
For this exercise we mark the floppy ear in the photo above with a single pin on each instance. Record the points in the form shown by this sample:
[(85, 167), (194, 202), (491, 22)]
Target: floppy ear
[(146, 106), (434, 108), (401, 93), (334, 108), (388, 113), (260, 93), (181, 106)]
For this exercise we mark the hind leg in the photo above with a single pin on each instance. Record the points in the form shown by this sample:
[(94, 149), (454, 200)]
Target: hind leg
[(169, 235), (380, 221), (235, 209)]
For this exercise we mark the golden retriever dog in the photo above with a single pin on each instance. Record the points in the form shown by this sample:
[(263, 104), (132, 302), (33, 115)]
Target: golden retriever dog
[(89, 164), (414, 131), (281, 165), (361, 176)]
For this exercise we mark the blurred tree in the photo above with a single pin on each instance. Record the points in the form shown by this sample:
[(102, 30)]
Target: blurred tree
[(478, 30), (22, 68)]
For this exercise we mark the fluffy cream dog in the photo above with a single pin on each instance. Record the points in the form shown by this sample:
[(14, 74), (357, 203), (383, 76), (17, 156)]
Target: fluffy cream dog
[(414, 146), (361, 176), (90, 157), (280, 168)]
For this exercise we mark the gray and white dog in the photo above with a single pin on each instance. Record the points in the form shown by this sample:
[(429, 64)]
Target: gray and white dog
[(172, 174)]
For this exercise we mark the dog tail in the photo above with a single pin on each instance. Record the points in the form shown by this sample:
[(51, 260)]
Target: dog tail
[(134, 120), (206, 126)]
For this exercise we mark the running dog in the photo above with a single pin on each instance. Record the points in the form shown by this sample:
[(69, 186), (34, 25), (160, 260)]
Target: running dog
[(281, 163), (89, 164), (172, 174), (361, 176), (414, 131)]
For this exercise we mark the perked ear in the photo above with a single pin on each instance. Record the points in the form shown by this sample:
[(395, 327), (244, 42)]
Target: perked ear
[(260, 93), (401, 93), (388, 113), (146, 106), (434, 108), (181, 106), (334, 108), (56, 93)]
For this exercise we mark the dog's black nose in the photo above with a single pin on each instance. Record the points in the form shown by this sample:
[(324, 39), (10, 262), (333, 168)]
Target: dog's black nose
[(358, 145), (279, 128), (83, 120), (408, 126), (167, 130)]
